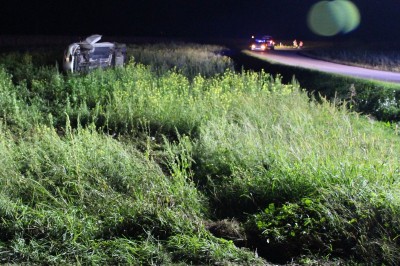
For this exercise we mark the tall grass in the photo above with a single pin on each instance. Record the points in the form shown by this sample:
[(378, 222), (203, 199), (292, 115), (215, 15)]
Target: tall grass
[(71, 194), (290, 158), (189, 58), (129, 166), (379, 58), (82, 197), (375, 98), (264, 142)]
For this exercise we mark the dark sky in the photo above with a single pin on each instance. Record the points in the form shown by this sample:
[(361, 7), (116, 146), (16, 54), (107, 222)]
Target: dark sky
[(380, 19)]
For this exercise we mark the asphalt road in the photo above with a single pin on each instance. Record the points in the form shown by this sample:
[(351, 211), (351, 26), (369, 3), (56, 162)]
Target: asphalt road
[(294, 58)]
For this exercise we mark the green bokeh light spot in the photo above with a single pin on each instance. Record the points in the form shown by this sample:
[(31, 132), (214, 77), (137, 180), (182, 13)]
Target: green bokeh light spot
[(351, 15), (322, 19), (328, 18)]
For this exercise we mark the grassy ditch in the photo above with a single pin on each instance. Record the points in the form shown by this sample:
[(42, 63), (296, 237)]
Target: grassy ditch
[(381, 56), (135, 166), (379, 100)]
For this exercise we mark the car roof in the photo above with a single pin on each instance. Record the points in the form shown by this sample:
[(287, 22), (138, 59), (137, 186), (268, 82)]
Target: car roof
[(103, 44)]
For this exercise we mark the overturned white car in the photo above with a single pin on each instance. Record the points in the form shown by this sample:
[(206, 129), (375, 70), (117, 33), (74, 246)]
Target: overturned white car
[(90, 54)]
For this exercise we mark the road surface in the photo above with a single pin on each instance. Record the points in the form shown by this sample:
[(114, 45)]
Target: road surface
[(293, 58)]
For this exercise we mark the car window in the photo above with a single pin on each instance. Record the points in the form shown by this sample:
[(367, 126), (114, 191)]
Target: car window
[(102, 51)]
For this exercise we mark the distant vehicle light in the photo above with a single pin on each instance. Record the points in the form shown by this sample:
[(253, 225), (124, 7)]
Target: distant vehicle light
[(261, 43)]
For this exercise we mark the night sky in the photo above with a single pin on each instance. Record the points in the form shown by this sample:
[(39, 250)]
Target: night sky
[(284, 19)]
